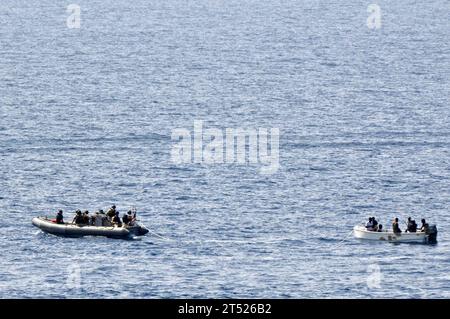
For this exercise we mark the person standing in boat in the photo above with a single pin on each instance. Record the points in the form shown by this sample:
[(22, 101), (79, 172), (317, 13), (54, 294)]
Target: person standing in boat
[(60, 217), (395, 227)]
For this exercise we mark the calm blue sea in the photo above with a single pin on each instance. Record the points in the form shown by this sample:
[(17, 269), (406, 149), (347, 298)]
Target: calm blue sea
[(86, 117)]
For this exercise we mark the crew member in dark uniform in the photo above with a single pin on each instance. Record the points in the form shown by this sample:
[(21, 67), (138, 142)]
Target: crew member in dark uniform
[(126, 219), (78, 219), (116, 220), (111, 212)]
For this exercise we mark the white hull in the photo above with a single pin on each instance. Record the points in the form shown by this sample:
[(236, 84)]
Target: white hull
[(72, 230), (362, 233)]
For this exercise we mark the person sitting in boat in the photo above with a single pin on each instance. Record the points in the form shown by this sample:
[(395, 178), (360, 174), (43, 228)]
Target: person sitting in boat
[(92, 219), (86, 217), (132, 218), (116, 220), (395, 227), (425, 226), (127, 218), (78, 219), (412, 226), (60, 217), (380, 228), (369, 224), (111, 212), (98, 219), (375, 224)]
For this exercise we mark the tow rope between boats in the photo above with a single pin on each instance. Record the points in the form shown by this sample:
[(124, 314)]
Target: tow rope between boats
[(345, 238)]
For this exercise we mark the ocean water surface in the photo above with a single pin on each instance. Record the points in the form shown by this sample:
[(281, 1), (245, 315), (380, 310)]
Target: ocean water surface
[(86, 117)]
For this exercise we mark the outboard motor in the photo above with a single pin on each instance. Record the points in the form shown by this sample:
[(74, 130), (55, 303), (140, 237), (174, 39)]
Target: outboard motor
[(142, 230), (138, 229), (432, 234)]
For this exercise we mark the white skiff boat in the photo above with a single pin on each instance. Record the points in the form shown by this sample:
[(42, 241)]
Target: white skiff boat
[(418, 237), (73, 230)]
